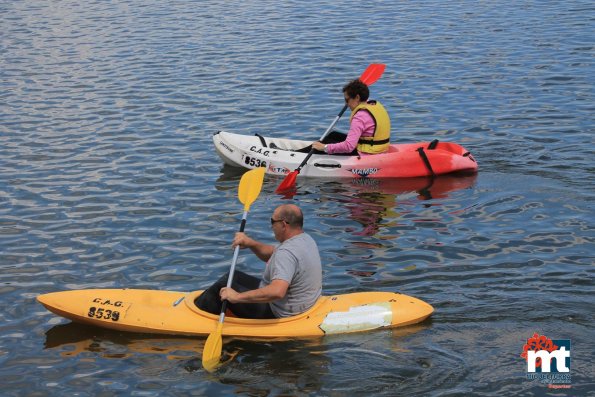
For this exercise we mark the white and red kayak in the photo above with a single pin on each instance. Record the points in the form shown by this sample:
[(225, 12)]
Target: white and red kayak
[(404, 160)]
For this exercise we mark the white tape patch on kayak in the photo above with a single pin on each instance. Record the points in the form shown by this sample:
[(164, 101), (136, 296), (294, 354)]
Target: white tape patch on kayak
[(358, 318)]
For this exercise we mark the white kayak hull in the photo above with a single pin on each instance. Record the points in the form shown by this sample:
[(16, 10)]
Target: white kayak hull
[(280, 157)]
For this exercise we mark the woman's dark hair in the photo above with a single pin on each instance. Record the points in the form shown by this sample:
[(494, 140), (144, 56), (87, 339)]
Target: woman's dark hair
[(357, 87)]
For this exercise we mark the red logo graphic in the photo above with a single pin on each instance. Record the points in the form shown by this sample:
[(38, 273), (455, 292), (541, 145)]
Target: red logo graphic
[(537, 343)]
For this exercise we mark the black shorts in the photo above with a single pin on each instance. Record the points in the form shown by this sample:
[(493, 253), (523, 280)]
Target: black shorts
[(210, 301)]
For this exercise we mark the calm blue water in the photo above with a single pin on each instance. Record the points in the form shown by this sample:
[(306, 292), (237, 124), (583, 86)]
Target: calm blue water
[(108, 179)]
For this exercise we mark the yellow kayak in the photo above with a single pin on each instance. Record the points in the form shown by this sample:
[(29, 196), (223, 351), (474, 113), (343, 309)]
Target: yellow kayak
[(170, 312)]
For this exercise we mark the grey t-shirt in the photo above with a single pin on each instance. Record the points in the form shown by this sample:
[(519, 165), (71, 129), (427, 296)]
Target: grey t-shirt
[(296, 261)]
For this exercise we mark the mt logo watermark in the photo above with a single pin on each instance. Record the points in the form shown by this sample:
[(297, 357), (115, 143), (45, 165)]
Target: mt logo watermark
[(548, 360)]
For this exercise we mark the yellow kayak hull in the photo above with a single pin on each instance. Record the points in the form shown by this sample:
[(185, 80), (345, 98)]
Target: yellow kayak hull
[(170, 312)]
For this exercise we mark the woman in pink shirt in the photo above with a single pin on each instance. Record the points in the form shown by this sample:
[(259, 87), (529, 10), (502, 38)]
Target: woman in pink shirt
[(369, 130)]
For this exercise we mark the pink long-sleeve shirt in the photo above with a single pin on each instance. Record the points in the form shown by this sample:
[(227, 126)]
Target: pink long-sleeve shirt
[(362, 124)]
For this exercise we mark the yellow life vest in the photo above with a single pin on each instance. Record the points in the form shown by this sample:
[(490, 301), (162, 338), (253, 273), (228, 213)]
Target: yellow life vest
[(380, 141)]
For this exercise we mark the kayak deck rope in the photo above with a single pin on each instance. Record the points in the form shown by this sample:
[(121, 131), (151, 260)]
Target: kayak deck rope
[(424, 157), (262, 140)]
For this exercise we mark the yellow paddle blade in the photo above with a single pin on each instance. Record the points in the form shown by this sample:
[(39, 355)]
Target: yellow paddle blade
[(250, 186), (211, 353)]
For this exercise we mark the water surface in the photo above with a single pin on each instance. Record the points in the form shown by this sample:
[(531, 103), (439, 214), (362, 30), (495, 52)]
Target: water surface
[(108, 179)]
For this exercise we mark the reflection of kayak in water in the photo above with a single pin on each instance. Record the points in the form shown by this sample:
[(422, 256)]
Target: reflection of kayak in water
[(81, 338), (370, 201), (169, 312), (426, 187), (73, 339), (405, 160)]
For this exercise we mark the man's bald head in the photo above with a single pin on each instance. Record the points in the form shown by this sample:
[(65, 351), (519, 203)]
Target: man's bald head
[(292, 214)]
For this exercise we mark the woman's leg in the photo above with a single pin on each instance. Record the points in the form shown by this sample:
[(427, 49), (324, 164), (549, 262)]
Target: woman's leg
[(334, 137)]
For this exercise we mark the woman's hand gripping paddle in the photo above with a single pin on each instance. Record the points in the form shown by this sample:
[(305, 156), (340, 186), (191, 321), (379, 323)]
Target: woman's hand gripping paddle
[(369, 77), (248, 192)]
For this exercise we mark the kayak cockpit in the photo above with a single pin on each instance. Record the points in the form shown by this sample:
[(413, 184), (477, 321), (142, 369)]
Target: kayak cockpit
[(190, 301)]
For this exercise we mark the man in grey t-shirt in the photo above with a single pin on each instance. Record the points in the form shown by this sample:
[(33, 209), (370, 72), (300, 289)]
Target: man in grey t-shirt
[(292, 279)]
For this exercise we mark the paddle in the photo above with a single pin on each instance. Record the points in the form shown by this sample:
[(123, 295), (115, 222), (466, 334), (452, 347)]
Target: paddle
[(248, 191), (368, 77)]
